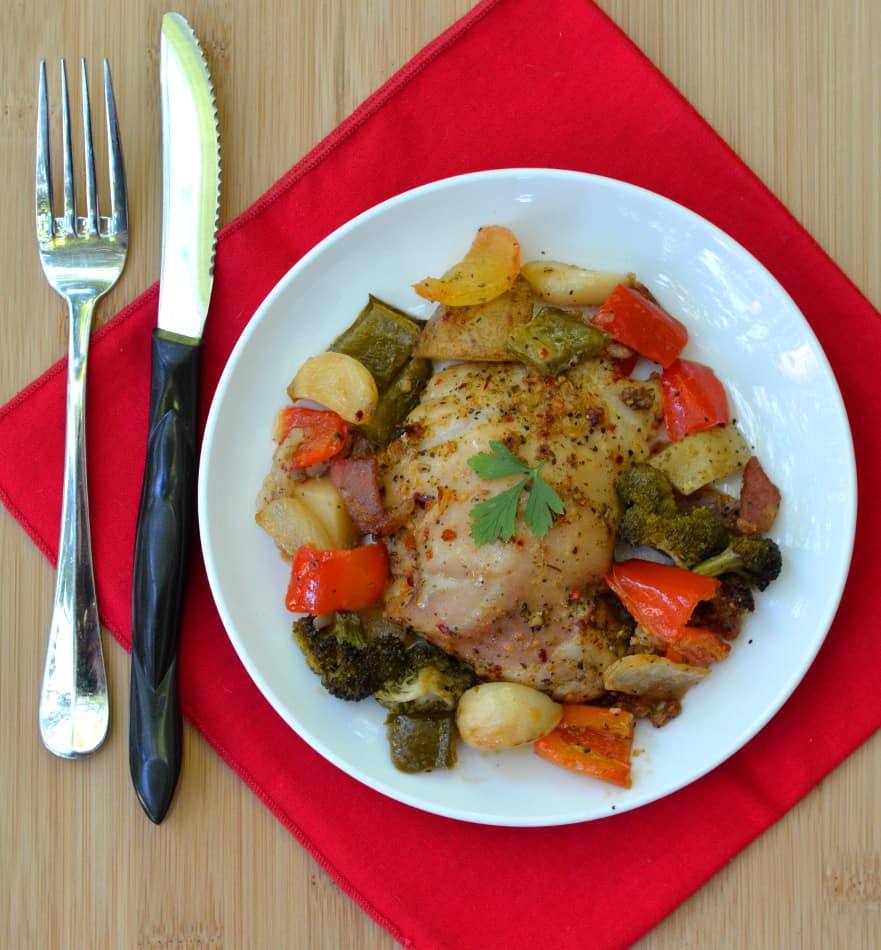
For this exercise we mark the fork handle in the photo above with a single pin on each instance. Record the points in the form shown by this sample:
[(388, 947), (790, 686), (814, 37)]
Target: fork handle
[(162, 544), (74, 709)]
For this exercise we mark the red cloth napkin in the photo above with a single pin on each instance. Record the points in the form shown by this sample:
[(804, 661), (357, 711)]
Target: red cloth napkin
[(503, 87)]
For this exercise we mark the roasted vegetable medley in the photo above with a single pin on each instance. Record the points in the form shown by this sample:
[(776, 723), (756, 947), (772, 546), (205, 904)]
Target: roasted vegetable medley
[(526, 521)]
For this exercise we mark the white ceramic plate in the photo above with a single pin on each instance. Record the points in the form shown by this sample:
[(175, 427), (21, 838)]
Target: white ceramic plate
[(741, 322)]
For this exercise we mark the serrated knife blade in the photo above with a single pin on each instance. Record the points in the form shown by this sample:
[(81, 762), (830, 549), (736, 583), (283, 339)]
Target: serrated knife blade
[(190, 180), (167, 514)]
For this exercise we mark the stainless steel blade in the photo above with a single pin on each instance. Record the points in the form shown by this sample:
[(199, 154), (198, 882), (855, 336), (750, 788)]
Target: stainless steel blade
[(190, 180)]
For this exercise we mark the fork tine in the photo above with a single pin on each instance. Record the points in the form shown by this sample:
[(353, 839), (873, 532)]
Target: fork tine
[(118, 199), (91, 188), (44, 169), (69, 185)]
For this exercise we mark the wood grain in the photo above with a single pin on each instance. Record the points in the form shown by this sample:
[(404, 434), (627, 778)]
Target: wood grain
[(793, 85)]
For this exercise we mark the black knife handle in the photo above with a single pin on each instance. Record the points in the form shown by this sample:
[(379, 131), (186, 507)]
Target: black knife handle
[(166, 522)]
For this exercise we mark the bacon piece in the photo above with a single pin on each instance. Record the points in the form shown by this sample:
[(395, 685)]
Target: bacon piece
[(356, 481), (759, 500)]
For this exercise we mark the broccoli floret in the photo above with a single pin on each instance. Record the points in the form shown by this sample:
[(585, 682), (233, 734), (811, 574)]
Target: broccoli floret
[(697, 539), (351, 665), (646, 487), (651, 519), (422, 704), (431, 682), (753, 558), (686, 538)]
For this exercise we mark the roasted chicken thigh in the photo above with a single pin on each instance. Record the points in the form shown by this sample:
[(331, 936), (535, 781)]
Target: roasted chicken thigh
[(532, 610)]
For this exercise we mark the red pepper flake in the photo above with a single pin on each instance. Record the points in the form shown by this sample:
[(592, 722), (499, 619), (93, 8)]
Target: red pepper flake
[(444, 629), (595, 416), (448, 534), (543, 655)]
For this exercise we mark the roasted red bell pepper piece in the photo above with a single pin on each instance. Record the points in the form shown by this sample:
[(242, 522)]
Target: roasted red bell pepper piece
[(324, 581), (324, 434), (591, 740), (698, 647), (642, 325), (694, 399), (659, 596)]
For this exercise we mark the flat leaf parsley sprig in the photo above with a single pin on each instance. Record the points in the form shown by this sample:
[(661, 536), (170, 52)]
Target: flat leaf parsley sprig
[(495, 518)]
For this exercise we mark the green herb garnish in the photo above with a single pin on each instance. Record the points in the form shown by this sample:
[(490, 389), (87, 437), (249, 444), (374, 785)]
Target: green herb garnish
[(495, 518)]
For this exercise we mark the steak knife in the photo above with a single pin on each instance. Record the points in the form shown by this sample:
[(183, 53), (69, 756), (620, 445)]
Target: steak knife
[(166, 519)]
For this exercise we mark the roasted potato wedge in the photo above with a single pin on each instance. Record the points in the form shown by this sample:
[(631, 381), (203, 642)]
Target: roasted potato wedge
[(277, 484), (320, 496), (339, 382), (479, 332), (702, 457), (312, 513), (291, 524), (644, 674)]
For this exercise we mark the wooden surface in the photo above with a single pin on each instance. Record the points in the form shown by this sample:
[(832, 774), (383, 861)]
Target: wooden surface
[(793, 85)]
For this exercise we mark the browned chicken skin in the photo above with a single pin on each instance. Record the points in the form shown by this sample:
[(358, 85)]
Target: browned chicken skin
[(530, 610)]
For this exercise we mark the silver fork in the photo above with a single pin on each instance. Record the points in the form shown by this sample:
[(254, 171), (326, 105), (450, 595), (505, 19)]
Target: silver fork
[(82, 259)]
